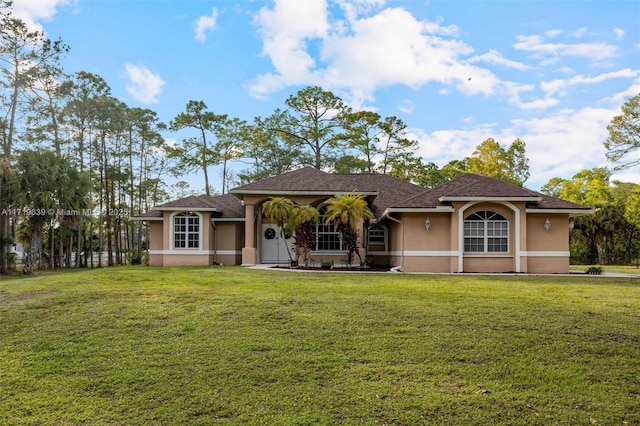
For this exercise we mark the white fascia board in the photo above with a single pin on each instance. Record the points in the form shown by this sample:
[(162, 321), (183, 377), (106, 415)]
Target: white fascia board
[(571, 212), (185, 209), (228, 219), (323, 192), (437, 209), (446, 198)]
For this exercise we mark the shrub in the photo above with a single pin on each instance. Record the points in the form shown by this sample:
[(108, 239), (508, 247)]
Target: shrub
[(594, 270)]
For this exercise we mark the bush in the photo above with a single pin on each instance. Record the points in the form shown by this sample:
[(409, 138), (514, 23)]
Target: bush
[(594, 270)]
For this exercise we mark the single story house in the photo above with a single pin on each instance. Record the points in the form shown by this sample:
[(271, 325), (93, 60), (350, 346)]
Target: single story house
[(470, 224)]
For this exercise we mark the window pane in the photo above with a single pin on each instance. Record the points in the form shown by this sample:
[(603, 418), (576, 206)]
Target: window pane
[(186, 230), (328, 238), (486, 231), (474, 244)]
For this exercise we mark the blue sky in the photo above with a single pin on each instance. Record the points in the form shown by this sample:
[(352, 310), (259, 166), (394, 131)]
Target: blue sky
[(552, 73)]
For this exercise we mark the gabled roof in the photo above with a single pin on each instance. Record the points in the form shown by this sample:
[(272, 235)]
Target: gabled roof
[(472, 187), (222, 206), (383, 191)]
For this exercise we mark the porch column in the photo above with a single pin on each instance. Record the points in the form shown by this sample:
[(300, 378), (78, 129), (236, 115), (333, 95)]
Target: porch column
[(249, 249)]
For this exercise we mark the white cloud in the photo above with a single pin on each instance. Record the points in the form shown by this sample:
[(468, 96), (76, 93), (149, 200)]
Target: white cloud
[(285, 30), (361, 54), (579, 33), (551, 52), (407, 106), (559, 145), (32, 11), (205, 24), (494, 57), (144, 86), (559, 86), (619, 32)]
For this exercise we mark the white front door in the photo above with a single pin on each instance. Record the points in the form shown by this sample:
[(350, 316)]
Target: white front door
[(273, 245)]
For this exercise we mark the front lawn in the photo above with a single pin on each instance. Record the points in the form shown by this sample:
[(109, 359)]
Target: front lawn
[(145, 346)]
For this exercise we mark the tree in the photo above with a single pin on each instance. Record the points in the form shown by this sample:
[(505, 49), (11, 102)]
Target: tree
[(43, 186), (632, 215), (86, 94), (347, 211), (408, 166), (393, 143), (5, 238), (624, 135), (349, 164), (229, 145), (302, 225), (279, 210), (362, 132), (24, 56), (197, 153), (491, 159), (266, 151), (455, 168), (587, 187), (607, 236), (313, 121)]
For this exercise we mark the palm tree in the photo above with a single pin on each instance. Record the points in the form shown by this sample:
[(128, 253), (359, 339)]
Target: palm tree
[(347, 210), (44, 185), (279, 209), (5, 238), (301, 225)]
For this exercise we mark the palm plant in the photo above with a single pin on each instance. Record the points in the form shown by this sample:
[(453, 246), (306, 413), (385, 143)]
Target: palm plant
[(279, 210), (43, 185), (347, 211), (301, 225), (5, 238)]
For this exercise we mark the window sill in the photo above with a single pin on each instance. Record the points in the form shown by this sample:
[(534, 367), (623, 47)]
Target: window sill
[(488, 254)]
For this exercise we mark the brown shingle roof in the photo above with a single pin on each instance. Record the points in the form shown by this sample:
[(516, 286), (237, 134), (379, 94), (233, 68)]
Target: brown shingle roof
[(223, 206), (383, 191), (475, 186)]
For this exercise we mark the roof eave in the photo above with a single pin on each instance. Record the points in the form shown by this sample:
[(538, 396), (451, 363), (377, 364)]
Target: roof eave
[(323, 192), (471, 198), (141, 218), (184, 208), (570, 211), (437, 209)]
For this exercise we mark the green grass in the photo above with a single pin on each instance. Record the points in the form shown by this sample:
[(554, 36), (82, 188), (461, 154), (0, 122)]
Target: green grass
[(136, 345), (618, 269)]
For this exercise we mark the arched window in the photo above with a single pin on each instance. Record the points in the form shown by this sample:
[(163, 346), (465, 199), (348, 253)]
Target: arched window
[(486, 232), (377, 234), (186, 230), (328, 237)]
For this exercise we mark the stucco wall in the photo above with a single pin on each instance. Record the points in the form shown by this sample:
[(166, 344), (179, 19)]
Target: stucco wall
[(229, 239), (548, 251)]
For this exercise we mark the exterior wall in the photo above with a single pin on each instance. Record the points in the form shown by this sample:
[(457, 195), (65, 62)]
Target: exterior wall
[(227, 242), (515, 213), (548, 251), (161, 252), (410, 245), (156, 242), (339, 258), (426, 250)]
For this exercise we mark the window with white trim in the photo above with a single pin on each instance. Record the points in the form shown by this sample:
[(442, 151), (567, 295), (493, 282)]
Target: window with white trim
[(377, 234), (186, 230), (328, 237), (486, 232)]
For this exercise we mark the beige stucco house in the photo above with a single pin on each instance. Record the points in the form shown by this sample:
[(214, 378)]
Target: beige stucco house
[(469, 224)]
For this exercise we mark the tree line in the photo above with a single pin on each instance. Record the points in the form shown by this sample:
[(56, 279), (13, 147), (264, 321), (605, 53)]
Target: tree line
[(77, 162)]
